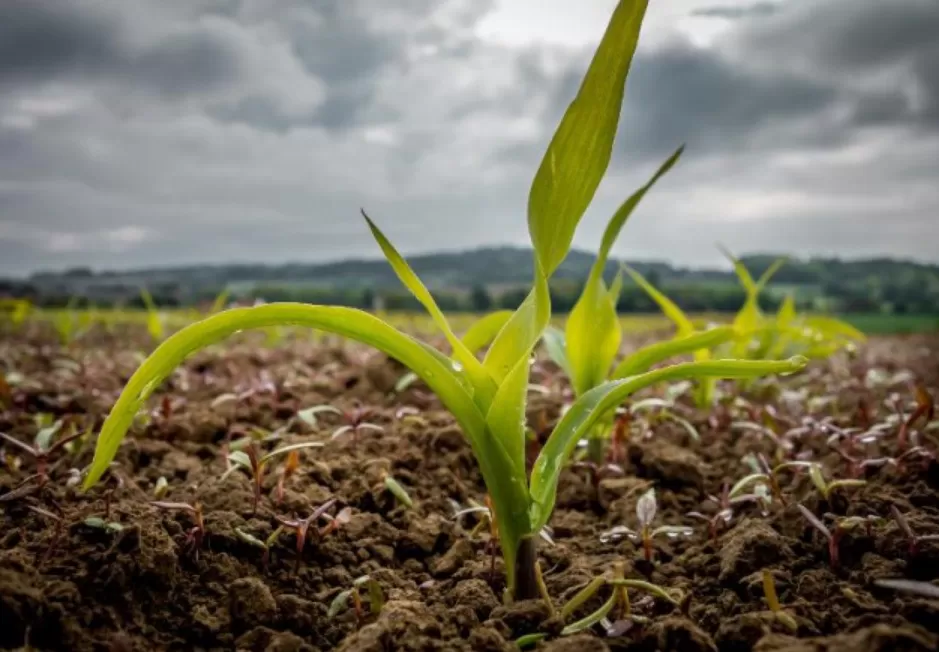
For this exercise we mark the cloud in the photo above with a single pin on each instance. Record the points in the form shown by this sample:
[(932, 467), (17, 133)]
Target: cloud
[(180, 131)]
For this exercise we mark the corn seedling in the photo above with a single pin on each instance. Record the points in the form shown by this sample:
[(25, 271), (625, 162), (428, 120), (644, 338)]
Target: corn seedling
[(301, 526), (256, 464), (160, 488), (374, 595), (772, 601), (154, 319), (197, 533), (487, 397), (43, 447), (646, 508), (264, 545), (913, 540)]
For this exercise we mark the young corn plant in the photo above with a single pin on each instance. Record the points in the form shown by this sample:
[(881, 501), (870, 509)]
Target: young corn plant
[(487, 397), (154, 319)]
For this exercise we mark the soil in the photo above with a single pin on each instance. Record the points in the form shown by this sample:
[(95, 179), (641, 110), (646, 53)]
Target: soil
[(71, 586)]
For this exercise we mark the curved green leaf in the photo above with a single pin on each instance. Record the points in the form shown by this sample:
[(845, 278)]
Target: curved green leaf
[(556, 348), (432, 366), (644, 358), (482, 331), (593, 405), (482, 382), (666, 305), (593, 331)]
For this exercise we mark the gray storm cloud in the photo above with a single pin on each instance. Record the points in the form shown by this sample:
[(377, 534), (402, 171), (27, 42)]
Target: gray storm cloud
[(163, 132)]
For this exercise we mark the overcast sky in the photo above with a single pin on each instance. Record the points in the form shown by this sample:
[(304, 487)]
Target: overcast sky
[(139, 132)]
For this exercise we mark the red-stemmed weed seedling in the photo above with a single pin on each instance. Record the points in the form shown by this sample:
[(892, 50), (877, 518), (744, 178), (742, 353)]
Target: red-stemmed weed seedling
[(825, 487), (925, 410), (914, 540), (376, 599), (265, 545), (301, 526), (58, 529), (197, 533), (355, 420), (43, 448), (646, 508), (256, 464), (834, 535)]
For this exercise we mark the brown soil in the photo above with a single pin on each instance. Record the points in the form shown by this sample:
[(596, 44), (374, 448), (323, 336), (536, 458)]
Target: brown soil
[(80, 588)]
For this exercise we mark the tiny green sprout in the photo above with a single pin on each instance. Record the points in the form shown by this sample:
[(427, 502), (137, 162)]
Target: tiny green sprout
[(197, 533), (772, 601), (355, 420), (264, 545), (43, 447), (619, 597), (256, 464), (914, 540), (161, 488), (398, 491), (301, 526), (768, 476), (375, 595), (98, 523), (646, 508), (405, 382), (826, 487)]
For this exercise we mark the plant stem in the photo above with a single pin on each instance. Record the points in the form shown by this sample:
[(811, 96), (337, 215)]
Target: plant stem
[(595, 448), (526, 574)]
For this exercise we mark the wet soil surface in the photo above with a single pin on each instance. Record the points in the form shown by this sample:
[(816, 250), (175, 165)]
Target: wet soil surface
[(66, 584)]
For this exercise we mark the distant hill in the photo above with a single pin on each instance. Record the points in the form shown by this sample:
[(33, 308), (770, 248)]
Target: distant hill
[(863, 285)]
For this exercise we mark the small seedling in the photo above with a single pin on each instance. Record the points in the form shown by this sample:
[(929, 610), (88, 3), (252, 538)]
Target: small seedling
[(376, 599), (43, 447), (646, 508), (264, 545), (912, 538), (398, 491), (98, 523), (355, 420), (826, 487), (160, 488), (925, 410), (256, 464), (601, 471), (335, 522), (772, 601), (301, 526), (619, 597), (289, 467), (768, 476), (835, 535), (57, 531), (196, 534)]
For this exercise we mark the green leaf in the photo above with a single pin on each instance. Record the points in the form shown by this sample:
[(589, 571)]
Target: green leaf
[(580, 150), (523, 329), (482, 382), (666, 305), (292, 447), (485, 329), (556, 348), (646, 357), (593, 330), (592, 406), (506, 417), (433, 367)]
